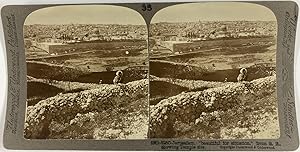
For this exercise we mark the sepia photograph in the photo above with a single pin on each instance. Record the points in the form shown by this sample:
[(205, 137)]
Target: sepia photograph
[(213, 72), (87, 73)]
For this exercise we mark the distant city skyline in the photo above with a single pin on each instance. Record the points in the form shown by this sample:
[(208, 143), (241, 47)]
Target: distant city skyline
[(85, 14), (214, 11), (207, 21)]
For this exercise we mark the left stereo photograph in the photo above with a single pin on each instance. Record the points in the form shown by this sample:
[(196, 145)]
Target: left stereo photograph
[(87, 73)]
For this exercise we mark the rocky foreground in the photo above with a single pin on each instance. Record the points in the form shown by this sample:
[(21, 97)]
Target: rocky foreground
[(243, 110), (222, 110), (108, 112)]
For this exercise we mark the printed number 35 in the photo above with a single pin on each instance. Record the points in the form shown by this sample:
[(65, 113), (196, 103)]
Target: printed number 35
[(146, 7)]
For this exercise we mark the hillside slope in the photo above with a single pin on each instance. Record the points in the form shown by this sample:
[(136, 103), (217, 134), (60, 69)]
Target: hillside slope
[(235, 110), (110, 112)]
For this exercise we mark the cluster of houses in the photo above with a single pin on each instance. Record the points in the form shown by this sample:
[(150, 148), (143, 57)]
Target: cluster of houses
[(199, 31), (118, 36), (79, 33)]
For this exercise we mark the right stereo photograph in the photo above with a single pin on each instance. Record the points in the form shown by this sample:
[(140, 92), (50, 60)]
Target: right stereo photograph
[(213, 72)]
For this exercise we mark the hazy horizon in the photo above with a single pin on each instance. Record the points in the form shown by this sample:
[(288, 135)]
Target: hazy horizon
[(111, 14), (152, 23), (87, 24), (214, 11), (213, 21), (85, 14)]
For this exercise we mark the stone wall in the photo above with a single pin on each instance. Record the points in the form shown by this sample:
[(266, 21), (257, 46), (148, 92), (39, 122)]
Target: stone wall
[(186, 107), (185, 47), (64, 107), (60, 48)]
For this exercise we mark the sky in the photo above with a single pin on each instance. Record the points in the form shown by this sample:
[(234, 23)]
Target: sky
[(190, 12), (85, 14), (214, 11)]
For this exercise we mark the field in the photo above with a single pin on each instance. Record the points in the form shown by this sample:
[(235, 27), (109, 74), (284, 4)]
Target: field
[(115, 56)]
